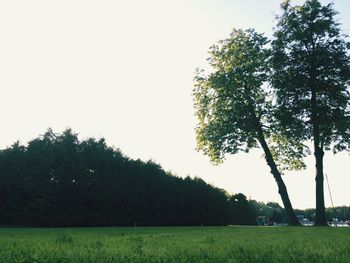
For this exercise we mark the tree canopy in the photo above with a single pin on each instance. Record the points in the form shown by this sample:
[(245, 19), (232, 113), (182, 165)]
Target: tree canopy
[(229, 102), (311, 77)]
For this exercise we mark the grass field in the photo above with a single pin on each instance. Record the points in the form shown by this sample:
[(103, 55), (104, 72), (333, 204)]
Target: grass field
[(175, 244)]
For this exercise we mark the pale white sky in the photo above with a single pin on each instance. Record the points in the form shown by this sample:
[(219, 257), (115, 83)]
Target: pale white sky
[(124, 70)]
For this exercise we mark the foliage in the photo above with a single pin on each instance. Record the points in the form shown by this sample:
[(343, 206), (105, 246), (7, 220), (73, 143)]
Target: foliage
[(228, 100), (311, 77), (287, 152), (342, 213), (235, 112), (242, 210), (310, 61), (273, 212), (233, 102), (58, 180)]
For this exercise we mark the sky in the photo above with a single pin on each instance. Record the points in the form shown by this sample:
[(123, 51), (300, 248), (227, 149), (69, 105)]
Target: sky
[(123, 70)]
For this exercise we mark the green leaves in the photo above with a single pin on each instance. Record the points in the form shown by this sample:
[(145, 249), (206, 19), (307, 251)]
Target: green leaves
[(288, 154), (228, 100), (233, 102), (310, 61)]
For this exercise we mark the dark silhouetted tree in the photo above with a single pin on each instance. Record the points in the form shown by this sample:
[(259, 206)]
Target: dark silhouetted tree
[(311, 76), (242, 211)]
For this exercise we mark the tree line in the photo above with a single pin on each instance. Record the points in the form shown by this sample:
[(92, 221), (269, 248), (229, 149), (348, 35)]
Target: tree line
[(58, 180), (288, 95), (340, 213)]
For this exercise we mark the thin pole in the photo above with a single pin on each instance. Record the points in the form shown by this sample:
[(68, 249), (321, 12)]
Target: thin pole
[(329, 190), (330, 194)]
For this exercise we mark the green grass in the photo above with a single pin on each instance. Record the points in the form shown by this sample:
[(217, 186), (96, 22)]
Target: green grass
[(175, 244)]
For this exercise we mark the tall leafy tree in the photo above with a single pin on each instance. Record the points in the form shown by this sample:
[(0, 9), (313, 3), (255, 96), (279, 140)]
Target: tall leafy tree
[(233, 108), (311, 77)]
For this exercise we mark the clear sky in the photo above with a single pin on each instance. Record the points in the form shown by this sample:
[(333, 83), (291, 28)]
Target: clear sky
[(124, 70)]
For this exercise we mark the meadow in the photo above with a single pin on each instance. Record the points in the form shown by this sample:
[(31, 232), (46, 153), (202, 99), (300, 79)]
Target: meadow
[(175, 244)]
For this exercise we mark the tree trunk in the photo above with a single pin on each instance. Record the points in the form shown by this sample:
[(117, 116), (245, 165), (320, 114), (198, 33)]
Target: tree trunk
[(282, 189), (320, 219)]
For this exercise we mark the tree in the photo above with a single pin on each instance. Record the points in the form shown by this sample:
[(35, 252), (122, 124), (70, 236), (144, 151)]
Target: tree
[(232, 107), (311, 75), (276, 212), (242, 211), (58, 180)]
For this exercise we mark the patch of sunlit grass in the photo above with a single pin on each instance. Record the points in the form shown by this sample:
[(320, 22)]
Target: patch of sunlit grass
[(175, 244)]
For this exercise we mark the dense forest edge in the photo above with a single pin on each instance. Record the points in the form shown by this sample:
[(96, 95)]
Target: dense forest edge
[(57, 180)]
